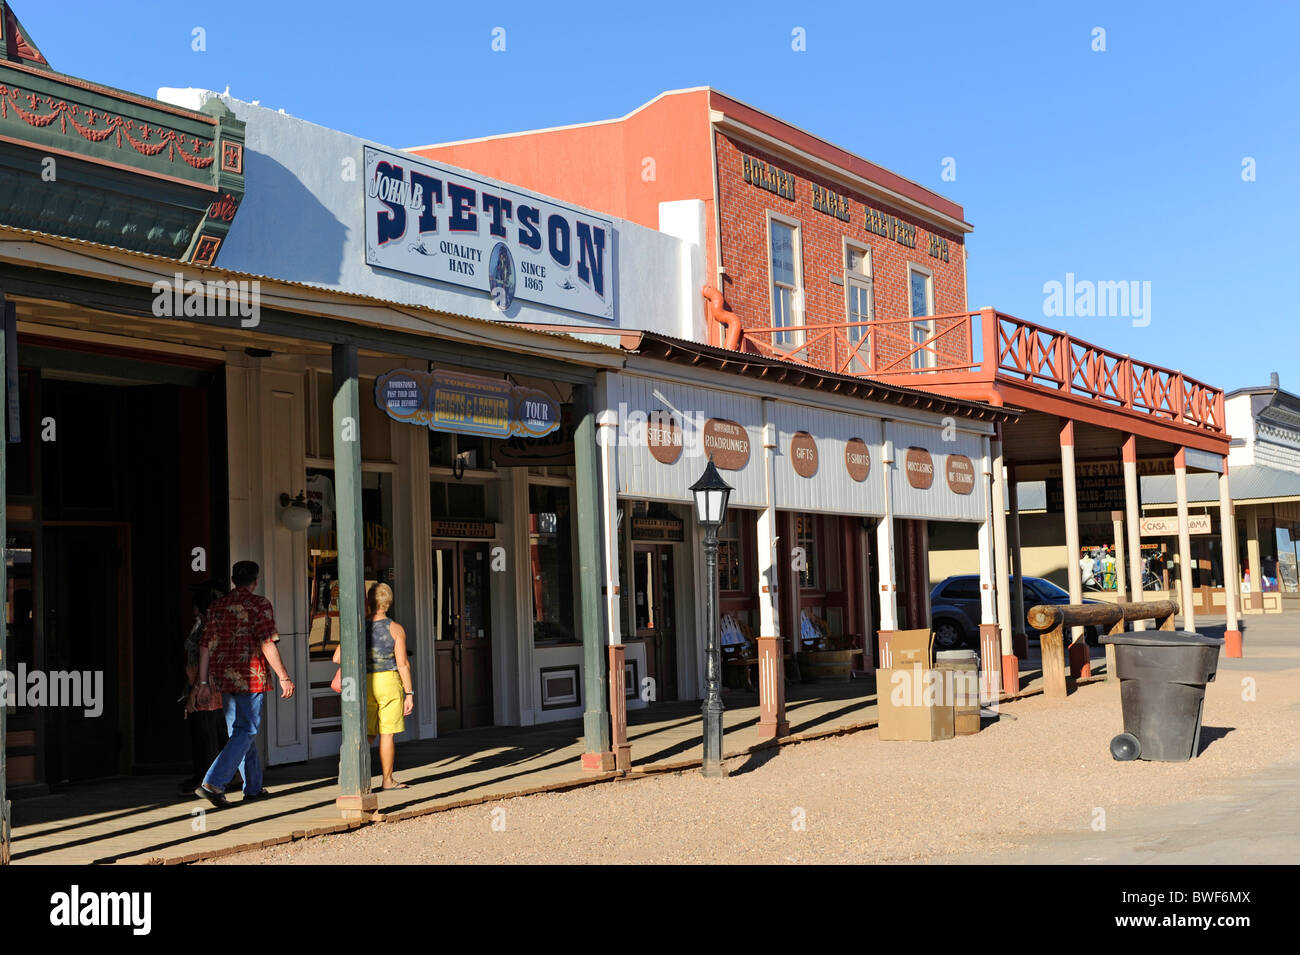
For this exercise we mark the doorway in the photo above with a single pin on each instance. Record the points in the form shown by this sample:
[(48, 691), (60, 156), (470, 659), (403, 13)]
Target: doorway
[(87, 628), (656, 614), (462, 634)]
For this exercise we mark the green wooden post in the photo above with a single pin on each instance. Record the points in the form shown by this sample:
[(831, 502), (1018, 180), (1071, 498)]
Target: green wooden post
[(8, 312), (597, 753), (355, 798)]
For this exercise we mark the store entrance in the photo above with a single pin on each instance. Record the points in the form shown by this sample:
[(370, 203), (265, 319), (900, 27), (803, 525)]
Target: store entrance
[(652, 566), (87, 626), (462, 634)]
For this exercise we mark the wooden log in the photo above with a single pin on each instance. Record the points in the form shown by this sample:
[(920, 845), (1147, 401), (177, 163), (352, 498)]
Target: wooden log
[(1045, 616), (1051, 643)]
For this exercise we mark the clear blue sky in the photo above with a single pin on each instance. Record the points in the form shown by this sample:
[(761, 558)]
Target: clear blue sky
[(1122, 165)]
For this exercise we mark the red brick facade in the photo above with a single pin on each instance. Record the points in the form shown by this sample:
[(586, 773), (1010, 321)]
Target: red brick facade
[(744, 208)]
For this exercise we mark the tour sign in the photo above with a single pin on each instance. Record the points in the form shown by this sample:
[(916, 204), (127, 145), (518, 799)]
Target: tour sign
[(466, 404), (439, 223)]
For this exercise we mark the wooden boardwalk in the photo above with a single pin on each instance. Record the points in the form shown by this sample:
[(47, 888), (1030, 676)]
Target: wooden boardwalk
[(140, 819)]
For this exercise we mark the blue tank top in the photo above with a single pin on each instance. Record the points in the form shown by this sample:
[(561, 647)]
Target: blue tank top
[(379, 643)]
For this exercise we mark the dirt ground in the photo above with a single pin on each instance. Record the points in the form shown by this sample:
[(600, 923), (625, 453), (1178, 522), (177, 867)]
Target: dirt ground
[(857, 799)]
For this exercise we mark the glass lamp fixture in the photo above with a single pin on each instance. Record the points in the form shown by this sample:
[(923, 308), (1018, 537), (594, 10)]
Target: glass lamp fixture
[(711, 495), (295, 514)]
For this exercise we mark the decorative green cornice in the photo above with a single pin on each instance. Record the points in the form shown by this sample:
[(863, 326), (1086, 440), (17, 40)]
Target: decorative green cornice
[(102, 164)]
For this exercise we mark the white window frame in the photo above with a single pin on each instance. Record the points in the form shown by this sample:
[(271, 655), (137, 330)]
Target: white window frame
[(787, 340), (855, 280), (921, 360)]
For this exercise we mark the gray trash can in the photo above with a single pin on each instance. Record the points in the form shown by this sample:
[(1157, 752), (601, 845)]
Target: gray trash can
[(1162, 676)]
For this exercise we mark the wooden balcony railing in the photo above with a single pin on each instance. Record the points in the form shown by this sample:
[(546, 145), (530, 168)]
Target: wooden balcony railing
[(987, 345)]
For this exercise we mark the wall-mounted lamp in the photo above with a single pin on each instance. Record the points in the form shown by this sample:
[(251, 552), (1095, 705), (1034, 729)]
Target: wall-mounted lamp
[(295, 513)]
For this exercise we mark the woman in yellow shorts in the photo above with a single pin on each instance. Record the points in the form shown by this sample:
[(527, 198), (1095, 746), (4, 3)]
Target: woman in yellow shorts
[(389, 699)]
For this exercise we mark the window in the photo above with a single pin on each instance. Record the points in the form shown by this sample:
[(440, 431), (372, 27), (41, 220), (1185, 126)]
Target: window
[(963, 588), (921, 295), (805, 533), (783, 250), (322, 549), (550, 548), (857, 284), (731, 568)]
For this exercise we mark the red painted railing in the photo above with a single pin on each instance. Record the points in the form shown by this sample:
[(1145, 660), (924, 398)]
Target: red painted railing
[(1002, 346)]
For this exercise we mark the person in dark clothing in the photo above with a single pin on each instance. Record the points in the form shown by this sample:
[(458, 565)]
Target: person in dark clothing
[(207, 723)]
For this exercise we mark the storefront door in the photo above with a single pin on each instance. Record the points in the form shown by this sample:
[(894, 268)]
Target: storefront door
[(656, 614), (462, 635), (87, 607)]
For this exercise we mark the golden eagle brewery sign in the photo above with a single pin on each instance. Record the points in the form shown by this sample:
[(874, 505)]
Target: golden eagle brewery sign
[(466, 404), (439, 223)]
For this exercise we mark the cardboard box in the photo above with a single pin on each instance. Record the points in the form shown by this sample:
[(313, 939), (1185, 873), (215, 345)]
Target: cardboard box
[(914, 704), (908, 647)]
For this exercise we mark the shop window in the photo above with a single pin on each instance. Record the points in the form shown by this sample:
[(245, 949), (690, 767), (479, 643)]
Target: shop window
[(921, 298), (783, 251), (550, 546), (464, 500), (322, 549), (805, 533), (731, 562), (1288, 537), (376, 426), (858, 289), (470, 452), (19, 463)]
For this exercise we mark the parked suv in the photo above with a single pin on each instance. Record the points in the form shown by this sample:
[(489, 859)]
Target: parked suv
[(955, 610)]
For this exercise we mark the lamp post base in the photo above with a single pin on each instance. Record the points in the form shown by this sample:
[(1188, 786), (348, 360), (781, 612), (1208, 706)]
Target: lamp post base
[(713, 765)]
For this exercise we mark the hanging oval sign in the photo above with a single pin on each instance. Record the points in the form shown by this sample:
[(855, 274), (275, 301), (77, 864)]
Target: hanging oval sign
[(727, 442), (857, 459), (803, 454), (919, 467), (663, 437), (961, 474)]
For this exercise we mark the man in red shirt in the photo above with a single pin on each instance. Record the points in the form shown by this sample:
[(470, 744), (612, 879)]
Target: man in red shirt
[(238, 644)]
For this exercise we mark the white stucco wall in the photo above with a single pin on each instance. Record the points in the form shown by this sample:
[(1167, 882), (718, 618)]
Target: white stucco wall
[(1240, 421), (302, 219)]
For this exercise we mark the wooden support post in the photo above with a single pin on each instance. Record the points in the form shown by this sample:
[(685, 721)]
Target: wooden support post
[(597, 753), (772, 722), (1121, 588), (1184, 540), (355, 799), (1051, 644), (1071, 505), (10, 317), (1132, 507), (1008, 676), (1019, 638), (607, 442), (1228, 539)]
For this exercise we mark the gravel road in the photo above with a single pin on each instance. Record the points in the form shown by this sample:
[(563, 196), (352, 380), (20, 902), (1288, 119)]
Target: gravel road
[(856, 799)]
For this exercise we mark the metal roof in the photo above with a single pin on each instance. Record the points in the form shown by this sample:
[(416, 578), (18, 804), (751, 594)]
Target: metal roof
[(1249, 482)]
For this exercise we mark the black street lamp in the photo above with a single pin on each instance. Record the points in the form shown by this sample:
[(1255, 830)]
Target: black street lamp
[(711, 494)]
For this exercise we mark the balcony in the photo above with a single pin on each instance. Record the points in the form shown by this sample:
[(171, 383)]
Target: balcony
[(988, 354)]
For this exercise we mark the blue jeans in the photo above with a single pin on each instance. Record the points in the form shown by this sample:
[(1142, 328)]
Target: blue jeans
[(243, 718)]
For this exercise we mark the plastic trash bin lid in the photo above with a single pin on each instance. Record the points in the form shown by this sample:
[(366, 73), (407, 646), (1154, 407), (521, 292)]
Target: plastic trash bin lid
[(1163, 638)]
